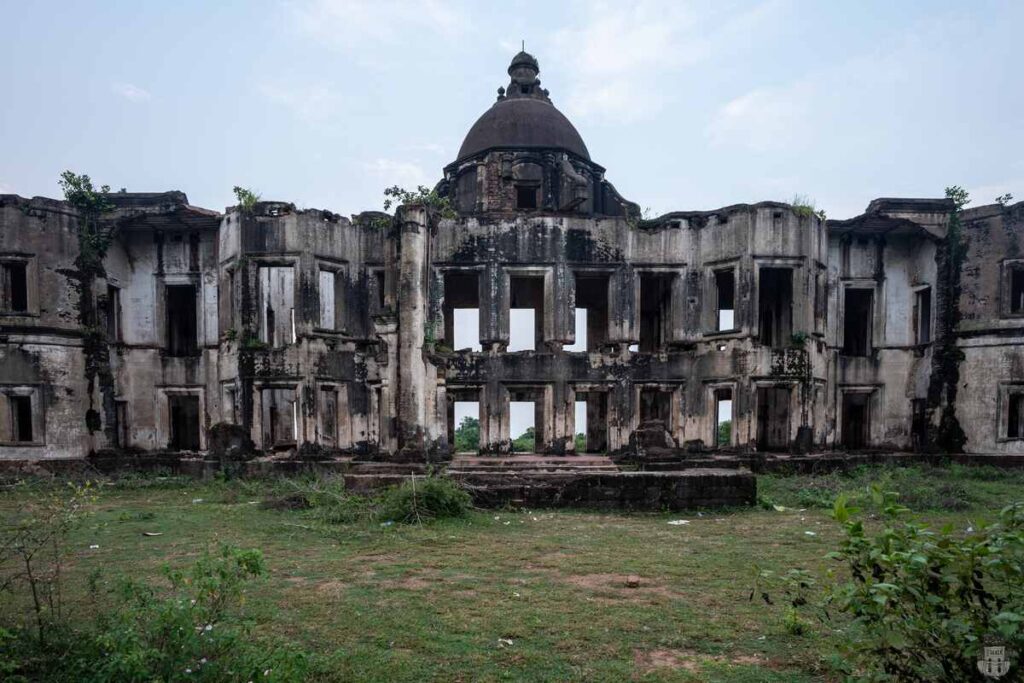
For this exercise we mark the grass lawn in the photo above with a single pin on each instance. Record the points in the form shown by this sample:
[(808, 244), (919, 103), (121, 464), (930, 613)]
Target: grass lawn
[(512, 595)]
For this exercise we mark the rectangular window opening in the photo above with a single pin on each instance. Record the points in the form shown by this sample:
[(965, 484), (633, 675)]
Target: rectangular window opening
[(14, 287), (923, 316), (378, 277), (182, 325), (465, 426), (773, 418), (855, 420), (723, 418), (121, 426), (277, 305), (526, 314), (725, 295), (591, 414), (775, 297), (280, 418), (655, 310), (462, 310), (656, 405), (113, 313), (328, 315), (581, 332), (184, 423), (591, 312), (526, 197), (1017, 289), (329, 416), (21, 418), (522, 422), (1015, 418), (857, 315)]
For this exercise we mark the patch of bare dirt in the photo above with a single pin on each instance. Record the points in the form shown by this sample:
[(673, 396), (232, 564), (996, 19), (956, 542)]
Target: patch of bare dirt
[(647, 661), (621, 586)]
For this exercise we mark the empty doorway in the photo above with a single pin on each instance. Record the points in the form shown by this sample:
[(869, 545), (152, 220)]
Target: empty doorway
[(773, 418), (856, 420)]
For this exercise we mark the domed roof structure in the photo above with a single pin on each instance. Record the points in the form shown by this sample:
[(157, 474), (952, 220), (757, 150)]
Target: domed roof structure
[(523, 117)]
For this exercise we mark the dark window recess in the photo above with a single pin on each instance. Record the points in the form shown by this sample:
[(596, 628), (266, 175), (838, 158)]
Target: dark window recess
[(919, 423), (1015, 419), (193, 252), (773, 418), (596, 434), (14, 287), (725, 292), (592, 295), (181, 320), (329, 416), (656, 406), (184, 423), (1017, 289), (775, 295), (857, 316), (379, 279), (923, 316), (655, 311), (526, 197), (21, 417), (113, 313), (121, 430)]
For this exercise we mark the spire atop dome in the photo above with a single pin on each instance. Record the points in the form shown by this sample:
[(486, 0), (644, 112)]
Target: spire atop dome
[(523, 71)]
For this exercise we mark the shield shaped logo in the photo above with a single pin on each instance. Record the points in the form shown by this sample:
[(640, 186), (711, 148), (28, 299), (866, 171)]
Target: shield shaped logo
[(994, 663)]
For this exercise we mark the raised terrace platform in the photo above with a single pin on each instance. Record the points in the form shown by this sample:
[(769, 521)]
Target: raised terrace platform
[(594, 481)]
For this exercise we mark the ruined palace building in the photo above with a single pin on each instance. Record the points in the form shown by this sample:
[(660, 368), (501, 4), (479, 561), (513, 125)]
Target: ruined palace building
[(746, 329)]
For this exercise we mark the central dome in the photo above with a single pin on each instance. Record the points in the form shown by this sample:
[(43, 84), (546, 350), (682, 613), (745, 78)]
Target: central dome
[(523, 118)]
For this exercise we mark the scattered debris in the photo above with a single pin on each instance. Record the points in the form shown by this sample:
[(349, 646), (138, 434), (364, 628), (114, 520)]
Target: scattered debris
[(810, 533), (505, 642), (152, 533), (632, 581), (679, 522)]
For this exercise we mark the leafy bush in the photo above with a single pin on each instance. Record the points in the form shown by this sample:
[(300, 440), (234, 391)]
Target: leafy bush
[(923, 604), (192, 630), (424, 499), (467, 435)]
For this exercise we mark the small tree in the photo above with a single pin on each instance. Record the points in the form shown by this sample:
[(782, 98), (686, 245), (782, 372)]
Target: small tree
[(247, 199), (467, 435)]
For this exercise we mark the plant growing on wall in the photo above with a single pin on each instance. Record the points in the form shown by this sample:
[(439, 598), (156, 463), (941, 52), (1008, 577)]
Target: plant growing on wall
[(247, 199), (436, 204), (95, 235)]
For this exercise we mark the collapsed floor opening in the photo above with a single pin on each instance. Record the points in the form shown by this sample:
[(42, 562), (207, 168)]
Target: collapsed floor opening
[(526, 314), (461, 310)]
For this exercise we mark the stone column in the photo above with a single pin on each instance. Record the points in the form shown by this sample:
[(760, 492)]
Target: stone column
[(412, 316)]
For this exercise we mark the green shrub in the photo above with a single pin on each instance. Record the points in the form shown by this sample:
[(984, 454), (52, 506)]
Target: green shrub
[(922, 604), (193, 629), (424, 499)]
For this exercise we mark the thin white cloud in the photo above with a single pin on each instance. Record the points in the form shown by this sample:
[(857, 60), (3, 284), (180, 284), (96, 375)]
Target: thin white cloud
[(406, 174), (351, 24), (623, 56), (310, 103), (428, 147), (131, 92), (763, 119), (7, 189)]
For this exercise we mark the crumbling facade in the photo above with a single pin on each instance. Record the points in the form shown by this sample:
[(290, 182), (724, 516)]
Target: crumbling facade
[(900, 329)]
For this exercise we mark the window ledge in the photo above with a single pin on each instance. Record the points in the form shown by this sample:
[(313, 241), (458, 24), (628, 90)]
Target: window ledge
[(22, 444)]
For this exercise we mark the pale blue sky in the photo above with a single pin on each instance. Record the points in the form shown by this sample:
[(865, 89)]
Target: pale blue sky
[(689, 105)]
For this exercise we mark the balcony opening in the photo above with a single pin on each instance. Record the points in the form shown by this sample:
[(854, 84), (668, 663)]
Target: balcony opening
[(182, 325), (1015, 417), (1017, 289), (184, 422), (923, 316), (461, 310), (591, 419), (725, 298), (526, 314), (591, 312), (722, 436), (464, 423), (277, 305), (14, 287), (773, 418), (775, 295), (857, 316), (378, 279), (655, 310), (856, 420)]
